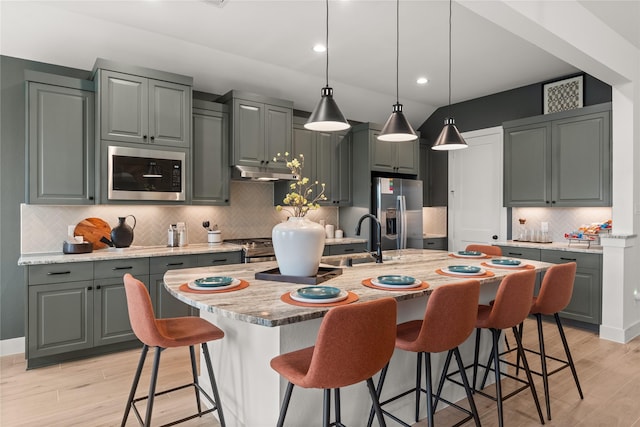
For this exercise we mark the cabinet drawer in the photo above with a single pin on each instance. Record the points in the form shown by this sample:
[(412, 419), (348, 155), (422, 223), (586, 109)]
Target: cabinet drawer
[(525, 253), (351, 248), (160, 265), (59, 273), (439, 243), (584, 260), (220, 258), (118, 267)]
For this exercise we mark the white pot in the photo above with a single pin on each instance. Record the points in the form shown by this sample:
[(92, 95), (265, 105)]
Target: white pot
[(298, 245)]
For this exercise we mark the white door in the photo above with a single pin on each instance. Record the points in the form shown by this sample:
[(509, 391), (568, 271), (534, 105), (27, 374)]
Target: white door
[(476, 213)]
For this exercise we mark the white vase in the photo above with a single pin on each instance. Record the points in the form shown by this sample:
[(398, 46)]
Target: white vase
[(298, 244)]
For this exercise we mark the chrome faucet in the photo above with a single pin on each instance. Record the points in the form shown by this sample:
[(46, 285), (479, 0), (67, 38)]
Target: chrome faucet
[(378, 255)]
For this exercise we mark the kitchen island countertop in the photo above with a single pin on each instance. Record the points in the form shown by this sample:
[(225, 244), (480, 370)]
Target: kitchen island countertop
[(260, 303)]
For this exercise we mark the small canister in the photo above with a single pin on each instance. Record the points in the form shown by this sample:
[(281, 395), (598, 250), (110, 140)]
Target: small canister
[(172, 236), (214, 237)]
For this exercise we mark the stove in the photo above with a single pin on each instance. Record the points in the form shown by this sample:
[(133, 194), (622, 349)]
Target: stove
[(255, 250)]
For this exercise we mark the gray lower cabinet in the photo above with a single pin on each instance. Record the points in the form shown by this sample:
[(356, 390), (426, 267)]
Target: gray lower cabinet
[(434, 169), (165, 304), (210, 174), (561, 159), (586, 300), (60, 142), (220, 258), (435, 243), (346, 249)]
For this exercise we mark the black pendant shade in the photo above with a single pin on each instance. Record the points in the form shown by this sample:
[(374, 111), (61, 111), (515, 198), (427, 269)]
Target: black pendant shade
[(397, 128), (450, 138), (327, 116)]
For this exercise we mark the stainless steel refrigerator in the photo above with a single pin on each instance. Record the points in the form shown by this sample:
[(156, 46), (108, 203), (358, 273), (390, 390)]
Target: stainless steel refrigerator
[(397, 203)]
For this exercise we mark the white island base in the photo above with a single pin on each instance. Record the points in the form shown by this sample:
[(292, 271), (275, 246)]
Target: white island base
[(251, 392)]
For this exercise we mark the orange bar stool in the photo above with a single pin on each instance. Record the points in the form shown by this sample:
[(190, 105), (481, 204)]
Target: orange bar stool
[(449, 319), (485, 249), (508, 310), (554, 296), (354, 342), (162, 334)]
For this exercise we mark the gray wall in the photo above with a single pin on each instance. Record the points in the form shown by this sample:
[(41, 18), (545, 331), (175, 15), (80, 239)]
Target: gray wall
[(12, 185)]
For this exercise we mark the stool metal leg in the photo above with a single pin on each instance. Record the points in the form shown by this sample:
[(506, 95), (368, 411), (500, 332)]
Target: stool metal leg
[(475, 358), (429, 388), (543, 363), (495, 333), (134, 385), (194, 371), (285, 404), (568, 353), (376, 403), (326, 408), (336, 397), (525, 365), (383, 375), (467, 387), (418, 384), (152, 385), (214, 386)]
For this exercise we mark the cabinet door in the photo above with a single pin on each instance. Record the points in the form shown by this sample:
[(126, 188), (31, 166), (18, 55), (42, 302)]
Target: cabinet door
[(305, 143), (59, 318), (325, 159), (248, 133), (61, 145), (527, 165), (124, 107), (581, 161), (342, 170), (169, 112), (407, 157), (110, 313), (210, 158), (165, 304), (277, 138), (383, 154)]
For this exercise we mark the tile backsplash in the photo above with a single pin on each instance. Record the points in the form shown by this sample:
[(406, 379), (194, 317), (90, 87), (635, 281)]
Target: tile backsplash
[(250, 214), (561, 220)]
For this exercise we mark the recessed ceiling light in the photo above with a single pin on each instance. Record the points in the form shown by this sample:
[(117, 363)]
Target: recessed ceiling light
[(422, 80), (319, 48)]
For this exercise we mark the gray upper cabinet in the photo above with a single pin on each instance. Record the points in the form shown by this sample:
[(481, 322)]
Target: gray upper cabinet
[(561, 159), (261, 127), (394, 157), (60, 141), (210, 180), (141, 110), (327, 159), (434, 169)]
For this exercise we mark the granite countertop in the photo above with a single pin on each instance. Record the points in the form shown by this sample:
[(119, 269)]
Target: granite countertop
[(556, 246), (260, 302), (146, 252)]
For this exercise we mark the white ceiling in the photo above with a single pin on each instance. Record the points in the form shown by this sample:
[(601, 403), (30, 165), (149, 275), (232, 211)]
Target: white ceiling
[(265, 47)]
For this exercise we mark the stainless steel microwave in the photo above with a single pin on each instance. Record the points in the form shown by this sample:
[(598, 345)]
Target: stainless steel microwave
[(145, 174)]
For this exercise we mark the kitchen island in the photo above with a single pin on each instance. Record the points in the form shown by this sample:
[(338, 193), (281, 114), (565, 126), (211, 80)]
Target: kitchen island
[(259, 326)]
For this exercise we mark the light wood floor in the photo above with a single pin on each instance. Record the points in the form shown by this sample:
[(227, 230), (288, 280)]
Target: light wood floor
[(93, 392)]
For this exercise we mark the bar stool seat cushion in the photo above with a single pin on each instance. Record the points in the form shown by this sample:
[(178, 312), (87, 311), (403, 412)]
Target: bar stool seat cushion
[(185, 331)]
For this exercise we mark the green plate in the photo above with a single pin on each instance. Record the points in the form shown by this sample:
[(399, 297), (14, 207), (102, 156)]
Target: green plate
[(467, 269), (505, 261), (318, 292), (396, 279), (213, 282)]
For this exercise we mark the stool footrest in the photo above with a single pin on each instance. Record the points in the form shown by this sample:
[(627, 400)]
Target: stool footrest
[(181, 420)]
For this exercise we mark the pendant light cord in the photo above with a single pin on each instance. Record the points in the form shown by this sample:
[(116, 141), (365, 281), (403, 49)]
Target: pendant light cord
[(397, 50), (449, 108), (326, 73)]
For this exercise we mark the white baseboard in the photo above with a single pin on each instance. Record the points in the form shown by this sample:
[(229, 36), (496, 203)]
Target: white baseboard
[(620, 335), (12, 346)]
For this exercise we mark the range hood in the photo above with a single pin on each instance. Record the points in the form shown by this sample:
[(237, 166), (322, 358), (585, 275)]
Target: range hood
[(254, 173)]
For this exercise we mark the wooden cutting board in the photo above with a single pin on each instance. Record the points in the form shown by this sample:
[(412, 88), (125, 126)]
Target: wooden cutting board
[(93, 229)]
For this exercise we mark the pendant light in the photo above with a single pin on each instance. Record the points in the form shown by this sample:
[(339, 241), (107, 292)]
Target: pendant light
[(397, 128), (450, 138), (327, 116)]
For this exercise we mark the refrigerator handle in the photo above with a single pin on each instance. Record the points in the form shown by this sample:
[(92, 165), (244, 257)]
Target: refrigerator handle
[(402, 233)]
